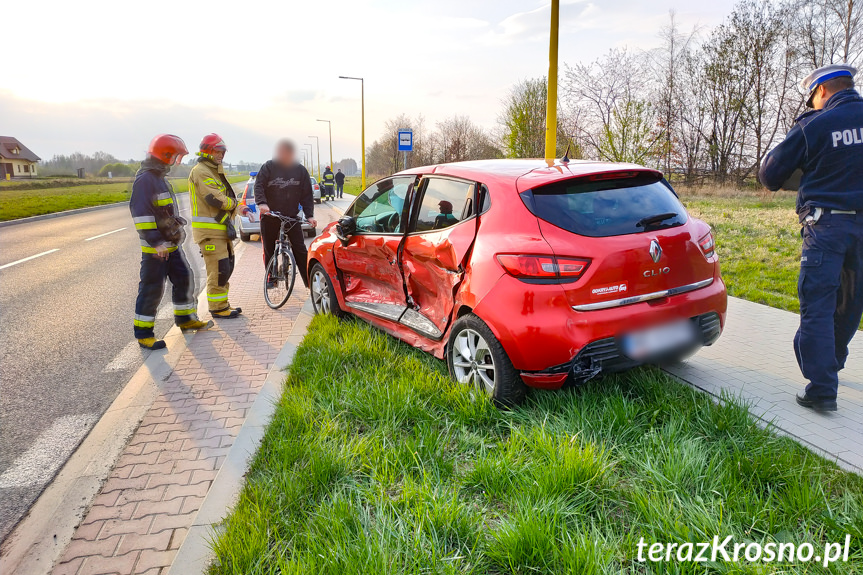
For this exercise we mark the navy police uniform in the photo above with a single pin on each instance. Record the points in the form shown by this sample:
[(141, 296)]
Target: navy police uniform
[(158, 222), (825, 150)]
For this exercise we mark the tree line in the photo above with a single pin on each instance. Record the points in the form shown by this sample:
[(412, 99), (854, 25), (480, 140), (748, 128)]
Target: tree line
[(704, 105)]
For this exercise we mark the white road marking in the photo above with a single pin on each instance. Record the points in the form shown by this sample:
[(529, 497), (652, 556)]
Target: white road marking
[(128, 357), (49, 452), (105, 234), (9, 265)]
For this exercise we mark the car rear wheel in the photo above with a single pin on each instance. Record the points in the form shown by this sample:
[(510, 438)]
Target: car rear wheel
[(475, 357), (324, 299)]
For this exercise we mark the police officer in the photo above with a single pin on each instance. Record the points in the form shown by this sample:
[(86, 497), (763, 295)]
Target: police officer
[(160, 227), (329, 183), (340, 183), (824, 150)]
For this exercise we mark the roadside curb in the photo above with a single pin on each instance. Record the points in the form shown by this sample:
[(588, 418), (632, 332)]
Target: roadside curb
[(61, 214), (773, 425), (195, 555), (41, 537)]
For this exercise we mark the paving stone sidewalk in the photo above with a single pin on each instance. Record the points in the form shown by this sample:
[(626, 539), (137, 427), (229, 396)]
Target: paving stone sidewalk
[(141, 516), (754, 361)]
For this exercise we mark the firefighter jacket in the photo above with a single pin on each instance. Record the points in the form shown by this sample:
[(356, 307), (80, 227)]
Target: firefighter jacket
[(154, 209), (213, 202)]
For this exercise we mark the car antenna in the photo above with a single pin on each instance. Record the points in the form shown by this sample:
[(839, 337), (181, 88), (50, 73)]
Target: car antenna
[(565, 158)]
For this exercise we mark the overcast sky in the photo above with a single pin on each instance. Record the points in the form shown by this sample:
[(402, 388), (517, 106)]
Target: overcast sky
[(106, 75)]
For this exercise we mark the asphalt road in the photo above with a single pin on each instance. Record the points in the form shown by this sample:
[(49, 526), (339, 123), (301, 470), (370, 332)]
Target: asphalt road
[(66, 343)]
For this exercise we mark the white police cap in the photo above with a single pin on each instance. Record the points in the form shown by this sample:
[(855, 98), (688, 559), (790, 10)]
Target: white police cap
[(822, 74)]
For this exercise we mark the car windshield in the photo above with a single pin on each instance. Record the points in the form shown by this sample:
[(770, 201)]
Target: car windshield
[(611, 207)]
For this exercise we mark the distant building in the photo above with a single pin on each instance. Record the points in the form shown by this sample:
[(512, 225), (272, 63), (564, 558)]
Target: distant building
[(16, 160)]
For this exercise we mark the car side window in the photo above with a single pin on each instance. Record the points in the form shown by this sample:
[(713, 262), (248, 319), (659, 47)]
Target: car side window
[(445, 203), (380, 209)]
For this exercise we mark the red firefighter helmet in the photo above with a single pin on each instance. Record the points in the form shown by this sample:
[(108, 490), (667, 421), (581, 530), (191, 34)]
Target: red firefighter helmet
[(168, 148), (212, 143)]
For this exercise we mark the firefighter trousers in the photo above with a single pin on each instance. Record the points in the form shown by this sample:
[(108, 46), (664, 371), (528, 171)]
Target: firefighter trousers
[(154, 272), (218, 256)]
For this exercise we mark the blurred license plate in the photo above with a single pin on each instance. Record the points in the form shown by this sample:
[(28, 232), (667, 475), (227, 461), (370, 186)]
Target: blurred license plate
[(656, 341)]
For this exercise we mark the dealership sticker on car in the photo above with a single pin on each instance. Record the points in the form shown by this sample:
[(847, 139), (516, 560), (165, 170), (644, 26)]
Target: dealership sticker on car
[(609, 290), (659, 340)]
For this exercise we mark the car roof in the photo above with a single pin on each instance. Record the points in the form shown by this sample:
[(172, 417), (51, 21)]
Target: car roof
[(523, 174)]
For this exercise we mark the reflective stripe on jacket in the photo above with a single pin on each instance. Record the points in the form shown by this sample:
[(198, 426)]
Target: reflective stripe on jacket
[(154, 210), (213, 201)]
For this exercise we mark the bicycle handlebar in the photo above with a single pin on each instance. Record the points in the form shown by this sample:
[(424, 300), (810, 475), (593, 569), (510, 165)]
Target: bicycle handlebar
[(284, 218)]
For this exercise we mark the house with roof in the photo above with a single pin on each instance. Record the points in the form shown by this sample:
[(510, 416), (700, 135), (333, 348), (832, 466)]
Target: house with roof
[(16, 159)]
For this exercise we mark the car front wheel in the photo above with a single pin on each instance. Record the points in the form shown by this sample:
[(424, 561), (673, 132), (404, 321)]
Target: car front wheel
[(475, 357), (324, 299)]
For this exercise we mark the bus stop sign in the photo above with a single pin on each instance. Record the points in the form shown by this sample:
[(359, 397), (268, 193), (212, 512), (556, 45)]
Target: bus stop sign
[(406, 141)]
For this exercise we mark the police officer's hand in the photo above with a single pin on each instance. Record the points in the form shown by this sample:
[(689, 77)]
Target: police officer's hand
[(264, 209), (312, 222)]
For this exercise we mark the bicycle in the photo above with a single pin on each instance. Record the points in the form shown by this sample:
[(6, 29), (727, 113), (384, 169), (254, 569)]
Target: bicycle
[(281, 272)]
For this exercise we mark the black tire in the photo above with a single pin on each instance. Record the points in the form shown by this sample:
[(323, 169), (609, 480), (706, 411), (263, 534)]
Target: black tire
[(323, 294), (277, 295), (318, 201), (491, 372), (246, 237)]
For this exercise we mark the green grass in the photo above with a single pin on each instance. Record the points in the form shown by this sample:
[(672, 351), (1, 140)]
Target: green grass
[(376, 462), (758, 241), (18, 202)]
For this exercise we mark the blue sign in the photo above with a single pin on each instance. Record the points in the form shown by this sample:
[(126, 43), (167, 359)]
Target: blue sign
[(406, 141)]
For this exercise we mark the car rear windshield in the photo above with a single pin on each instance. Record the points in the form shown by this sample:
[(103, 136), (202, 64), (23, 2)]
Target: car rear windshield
[(607, 207)]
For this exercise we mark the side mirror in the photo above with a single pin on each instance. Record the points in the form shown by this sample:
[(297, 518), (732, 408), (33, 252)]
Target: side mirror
[(345, 228)]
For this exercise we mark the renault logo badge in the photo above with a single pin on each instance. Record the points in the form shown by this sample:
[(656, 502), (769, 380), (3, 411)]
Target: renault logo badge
[(655, 251)]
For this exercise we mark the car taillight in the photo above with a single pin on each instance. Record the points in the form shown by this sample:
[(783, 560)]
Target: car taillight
[(707, 245), (523, 266)]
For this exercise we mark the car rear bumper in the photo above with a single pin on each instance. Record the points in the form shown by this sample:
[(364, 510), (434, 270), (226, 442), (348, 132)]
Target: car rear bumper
[(541, 333)]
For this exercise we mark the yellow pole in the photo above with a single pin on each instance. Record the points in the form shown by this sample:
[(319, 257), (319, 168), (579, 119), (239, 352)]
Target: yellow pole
[(363, 126), (318, 142), (551, 106), (330, 126)]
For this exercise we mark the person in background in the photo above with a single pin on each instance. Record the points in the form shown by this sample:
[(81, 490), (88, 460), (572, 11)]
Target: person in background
[(160, 227), (822, 157), (340, 183), (283, 185), (329, 183), (445, 218), (213, 207)]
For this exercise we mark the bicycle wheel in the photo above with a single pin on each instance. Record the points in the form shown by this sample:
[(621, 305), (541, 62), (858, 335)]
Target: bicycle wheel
[(279, 278)]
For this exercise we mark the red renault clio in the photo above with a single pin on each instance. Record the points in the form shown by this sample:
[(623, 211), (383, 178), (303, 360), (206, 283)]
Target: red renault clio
[(523, 274)]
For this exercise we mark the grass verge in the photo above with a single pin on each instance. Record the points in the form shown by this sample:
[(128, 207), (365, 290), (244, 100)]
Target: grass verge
[(18, 203), (376, 462), (758, 241)]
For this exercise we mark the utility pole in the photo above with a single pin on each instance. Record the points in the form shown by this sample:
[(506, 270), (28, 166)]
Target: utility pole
[(551, 105)]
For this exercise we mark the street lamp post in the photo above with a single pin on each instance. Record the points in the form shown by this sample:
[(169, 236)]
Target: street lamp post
[(362, 121), (312, 156), (551, 104), (318, 142), (330, 126), (305, 158)]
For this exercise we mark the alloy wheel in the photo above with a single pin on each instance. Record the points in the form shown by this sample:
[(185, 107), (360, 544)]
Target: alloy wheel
[(472, 361), (320, 292)]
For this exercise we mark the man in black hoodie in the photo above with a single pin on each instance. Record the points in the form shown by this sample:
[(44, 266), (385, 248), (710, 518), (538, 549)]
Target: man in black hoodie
[(282, 185)]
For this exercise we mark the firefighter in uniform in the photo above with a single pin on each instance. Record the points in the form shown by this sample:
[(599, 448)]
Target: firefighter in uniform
[(824, 153), (329, 183), (160, 227), (213, 207)]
